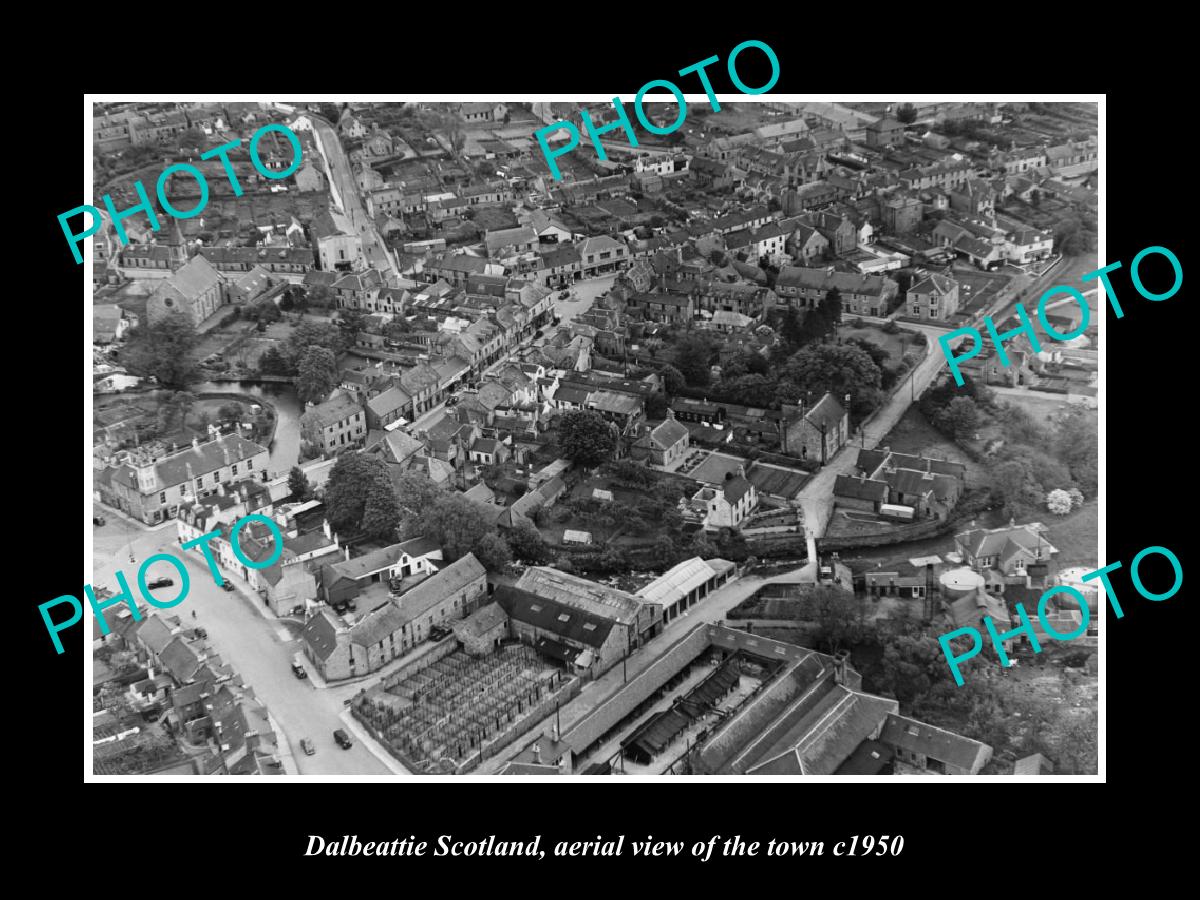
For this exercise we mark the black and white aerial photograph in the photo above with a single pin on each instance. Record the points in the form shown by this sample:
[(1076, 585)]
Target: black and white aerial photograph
[(473, 438)]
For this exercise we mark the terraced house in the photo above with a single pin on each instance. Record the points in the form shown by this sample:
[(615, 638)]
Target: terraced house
[(335, 424), (153, 489), (863, 295)]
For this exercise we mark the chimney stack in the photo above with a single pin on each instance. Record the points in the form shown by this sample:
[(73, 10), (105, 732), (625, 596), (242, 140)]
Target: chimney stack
[(839, 666)]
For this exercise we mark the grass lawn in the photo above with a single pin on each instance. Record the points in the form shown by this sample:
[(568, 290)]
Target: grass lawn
[(1076, 536), (1043, 406), (894, 344)]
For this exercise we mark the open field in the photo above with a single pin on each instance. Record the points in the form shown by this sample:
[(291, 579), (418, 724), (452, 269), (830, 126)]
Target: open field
[(1076, 536)]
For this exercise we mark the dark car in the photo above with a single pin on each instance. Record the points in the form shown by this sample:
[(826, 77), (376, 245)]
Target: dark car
[(343, 739), (438, 633), (226, 585), (200, 632), (160, 583), (564, 295), (98, 520), (350, 604)]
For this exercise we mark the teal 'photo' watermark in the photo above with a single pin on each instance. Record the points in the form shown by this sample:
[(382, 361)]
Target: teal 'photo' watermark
[(98, 604), (543, 134), (1026, 326), (145, 206), (999, 638)]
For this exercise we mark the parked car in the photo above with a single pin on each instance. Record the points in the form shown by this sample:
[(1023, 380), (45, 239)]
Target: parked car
[(564, 295), (343, 739), (307, 746), (227, 585), (200, 632), (438, 633), (298, 610), (351, 604), (298, 667), (98, 520), (160, 583)]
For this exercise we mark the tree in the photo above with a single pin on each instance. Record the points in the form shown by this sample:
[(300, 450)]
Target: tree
[(354, 480), (839, 369), (309, 334), (912, 664), (839, 615), (1014, 486), (272, 362), (298, 485), (1076, 445), (165, 350), (1077, 746), (1058, 502), (319, 296), (585, 438), (693, 356), (791, 328), (656, 405), (267, 312), (461, 527), (672, 378), (381, 512), (229, 412), (906, 113), (527, 544), (318, 374), (962, 415)]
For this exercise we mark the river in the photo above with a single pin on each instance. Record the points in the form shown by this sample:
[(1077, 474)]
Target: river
[(285, 448)]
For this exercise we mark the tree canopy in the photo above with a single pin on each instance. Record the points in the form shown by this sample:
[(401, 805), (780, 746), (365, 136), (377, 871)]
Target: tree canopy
[(693, 358), (165, 350), (318, 374), (585, 438), (461, 527), (355, 481)]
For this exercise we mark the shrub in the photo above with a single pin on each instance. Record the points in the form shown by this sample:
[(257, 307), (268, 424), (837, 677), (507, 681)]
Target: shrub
[(1058, 502)]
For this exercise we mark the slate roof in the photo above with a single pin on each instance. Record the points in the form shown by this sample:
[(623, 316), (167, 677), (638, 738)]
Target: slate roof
[(934, 284), (827, 412), (860, 489), (320, 633), (389, 401), (918, 737), (567, 622), (333, 411)]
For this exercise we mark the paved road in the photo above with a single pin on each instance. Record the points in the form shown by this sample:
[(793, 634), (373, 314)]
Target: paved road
[(260, 650), (374, 248), (583, 295)]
